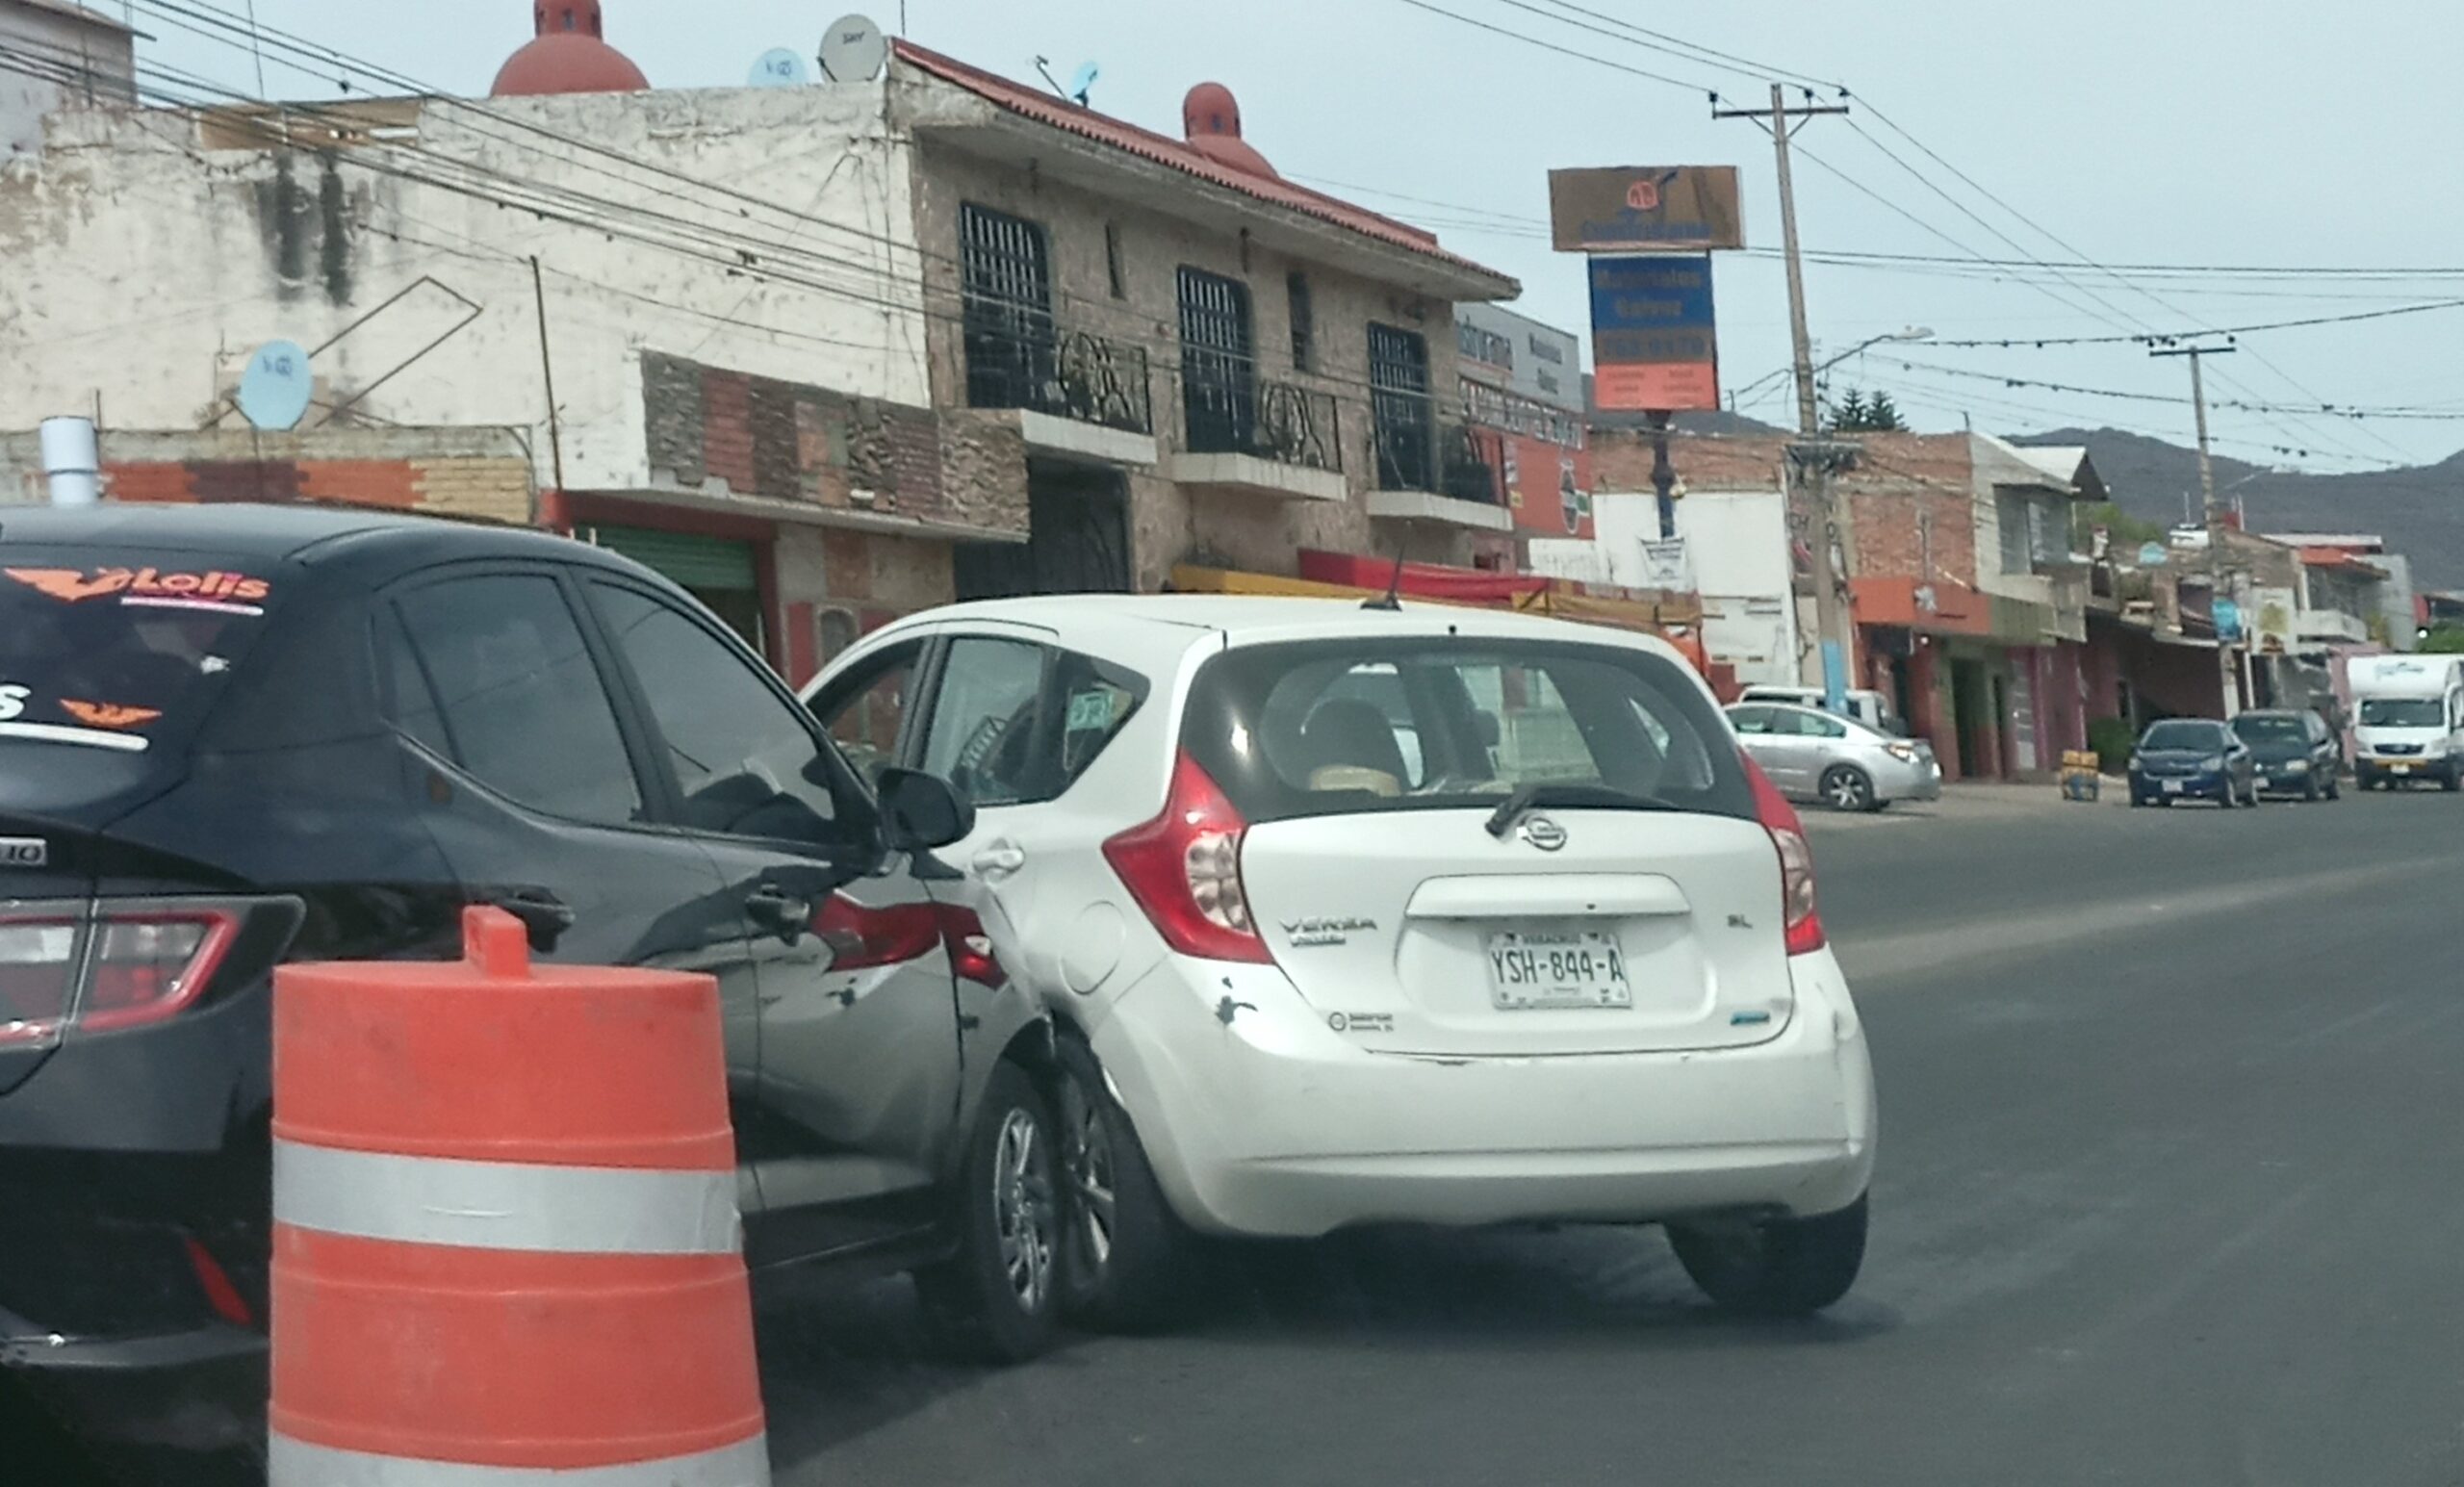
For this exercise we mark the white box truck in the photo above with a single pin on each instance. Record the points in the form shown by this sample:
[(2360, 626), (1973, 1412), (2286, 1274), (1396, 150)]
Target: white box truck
[(2408, 720)]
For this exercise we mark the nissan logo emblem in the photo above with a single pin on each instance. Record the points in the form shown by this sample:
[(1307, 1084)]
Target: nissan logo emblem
[(1544, 834)]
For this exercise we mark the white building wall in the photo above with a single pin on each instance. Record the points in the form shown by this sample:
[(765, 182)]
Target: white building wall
[(1737, 547), (101, 58), (146, 263)]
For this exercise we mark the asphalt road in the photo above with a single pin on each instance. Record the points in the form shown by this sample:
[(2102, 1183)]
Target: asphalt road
[(2169, 1194)]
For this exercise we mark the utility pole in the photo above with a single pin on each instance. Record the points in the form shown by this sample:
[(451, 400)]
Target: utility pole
[(1814, 458), (2198, 404)]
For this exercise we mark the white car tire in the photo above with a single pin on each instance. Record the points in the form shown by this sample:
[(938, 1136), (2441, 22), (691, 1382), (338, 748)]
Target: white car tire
[(1125, 1254), (1775, 1266)]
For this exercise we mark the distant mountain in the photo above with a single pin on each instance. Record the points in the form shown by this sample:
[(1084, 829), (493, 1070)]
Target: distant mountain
[(2420, 509)]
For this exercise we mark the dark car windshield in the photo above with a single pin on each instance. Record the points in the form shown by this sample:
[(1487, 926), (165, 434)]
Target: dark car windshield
[(2184, 736), (2403, 712), (107, 652), (2256, 730), (1333, 728)]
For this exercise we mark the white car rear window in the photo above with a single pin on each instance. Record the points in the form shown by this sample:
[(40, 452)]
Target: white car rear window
[(1331, 727)]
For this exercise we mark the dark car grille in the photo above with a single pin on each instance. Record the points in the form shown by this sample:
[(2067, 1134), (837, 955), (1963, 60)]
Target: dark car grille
[(2396, 750)]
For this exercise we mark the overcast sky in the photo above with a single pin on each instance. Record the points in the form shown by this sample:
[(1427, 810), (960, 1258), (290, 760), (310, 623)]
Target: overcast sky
[(2253, 132)]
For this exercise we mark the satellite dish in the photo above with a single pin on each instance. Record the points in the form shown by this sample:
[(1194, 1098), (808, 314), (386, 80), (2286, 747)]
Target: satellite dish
[(853, 50), (274, 392), (780, 67), (1082, 81)]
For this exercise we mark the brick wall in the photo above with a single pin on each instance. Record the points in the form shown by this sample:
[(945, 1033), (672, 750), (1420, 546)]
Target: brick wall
[(1906, 485), (478, 474), (709, 429)]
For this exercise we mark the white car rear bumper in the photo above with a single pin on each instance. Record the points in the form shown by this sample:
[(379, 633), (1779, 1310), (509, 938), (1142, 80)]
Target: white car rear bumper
[(1276, 1125)]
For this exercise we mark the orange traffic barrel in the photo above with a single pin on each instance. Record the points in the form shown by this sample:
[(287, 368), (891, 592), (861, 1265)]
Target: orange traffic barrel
[(507, 1246)]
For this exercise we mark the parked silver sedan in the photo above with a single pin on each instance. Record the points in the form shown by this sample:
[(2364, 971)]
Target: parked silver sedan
[(1813, 754)]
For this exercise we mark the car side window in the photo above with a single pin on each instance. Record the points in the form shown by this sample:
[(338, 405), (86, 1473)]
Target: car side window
[(1751, 720), (519, 699), (410, 699), (864, 710), (745, 758), (986, 714), (1817, 726), (1095, 701)]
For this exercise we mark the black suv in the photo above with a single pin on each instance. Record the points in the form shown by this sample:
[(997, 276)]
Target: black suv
[(233, 737), (2295, 753)]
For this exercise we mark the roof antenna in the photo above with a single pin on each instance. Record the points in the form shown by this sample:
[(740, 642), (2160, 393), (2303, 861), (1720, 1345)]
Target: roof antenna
[(1393, 598)]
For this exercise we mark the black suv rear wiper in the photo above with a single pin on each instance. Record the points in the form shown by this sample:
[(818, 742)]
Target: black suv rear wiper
[(1600, 797)]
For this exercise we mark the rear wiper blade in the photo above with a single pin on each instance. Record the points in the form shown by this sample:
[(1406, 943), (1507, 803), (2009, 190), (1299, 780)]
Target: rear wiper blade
[(1529, 797)]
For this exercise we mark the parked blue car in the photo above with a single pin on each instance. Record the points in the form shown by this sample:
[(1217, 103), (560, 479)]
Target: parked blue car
[(2192, 759)]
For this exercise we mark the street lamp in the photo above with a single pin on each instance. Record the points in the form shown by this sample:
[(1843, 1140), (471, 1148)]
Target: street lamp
[(1912, 333)]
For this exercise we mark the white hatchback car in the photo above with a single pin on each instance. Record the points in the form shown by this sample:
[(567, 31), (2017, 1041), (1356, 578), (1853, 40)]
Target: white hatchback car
[(1335, 916)]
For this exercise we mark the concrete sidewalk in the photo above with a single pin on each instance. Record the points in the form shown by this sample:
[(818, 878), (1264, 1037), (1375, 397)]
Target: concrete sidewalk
[(1965, 802)]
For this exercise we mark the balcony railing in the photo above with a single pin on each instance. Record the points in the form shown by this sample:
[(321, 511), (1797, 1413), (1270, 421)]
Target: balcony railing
[(1043, 368), (1273, 420), (1444, 460)]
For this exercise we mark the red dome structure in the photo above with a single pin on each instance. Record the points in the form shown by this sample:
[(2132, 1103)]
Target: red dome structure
[(1211, 119), (567, 54)]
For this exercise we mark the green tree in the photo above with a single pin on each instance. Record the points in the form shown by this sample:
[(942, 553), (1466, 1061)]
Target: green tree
[(1862, 413), (2444, 640), (2128, 532)]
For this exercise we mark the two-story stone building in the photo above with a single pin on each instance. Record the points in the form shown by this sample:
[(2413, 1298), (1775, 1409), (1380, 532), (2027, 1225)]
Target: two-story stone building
[(825, 354)]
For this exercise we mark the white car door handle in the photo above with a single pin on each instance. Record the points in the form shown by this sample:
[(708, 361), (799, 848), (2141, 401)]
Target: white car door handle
[(1000, 857)]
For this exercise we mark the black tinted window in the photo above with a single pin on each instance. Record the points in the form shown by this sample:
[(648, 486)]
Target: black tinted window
[(1294, 730), (522, 706), (746, 762), (114, 655), (410, 700)]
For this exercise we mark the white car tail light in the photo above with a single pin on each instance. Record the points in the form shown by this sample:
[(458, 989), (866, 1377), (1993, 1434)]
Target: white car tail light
[(1804, 934), (1184, 869)]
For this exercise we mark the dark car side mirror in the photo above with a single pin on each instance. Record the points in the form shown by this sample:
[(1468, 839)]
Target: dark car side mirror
[(921, 812)]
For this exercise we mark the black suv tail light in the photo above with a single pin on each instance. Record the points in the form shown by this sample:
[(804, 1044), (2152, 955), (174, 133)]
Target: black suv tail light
[(116, 965)]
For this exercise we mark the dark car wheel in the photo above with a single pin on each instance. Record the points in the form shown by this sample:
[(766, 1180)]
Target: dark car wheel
[(999, 1298), (1776, 1266), (1847, 787), (2310, 790), (1123, 1262)]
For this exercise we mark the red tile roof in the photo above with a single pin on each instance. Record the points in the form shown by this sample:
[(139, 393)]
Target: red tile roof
[(1061, 114)]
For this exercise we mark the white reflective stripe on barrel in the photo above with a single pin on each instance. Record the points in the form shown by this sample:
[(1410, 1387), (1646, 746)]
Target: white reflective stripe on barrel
[(505, 1205), (291, 1463)]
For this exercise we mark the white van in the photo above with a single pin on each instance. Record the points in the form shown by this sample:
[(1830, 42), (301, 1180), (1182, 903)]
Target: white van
[(1866, 707), (2408, 719)]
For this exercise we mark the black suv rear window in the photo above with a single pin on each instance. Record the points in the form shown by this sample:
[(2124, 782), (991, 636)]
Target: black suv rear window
[(117, 651), (1332, 728)]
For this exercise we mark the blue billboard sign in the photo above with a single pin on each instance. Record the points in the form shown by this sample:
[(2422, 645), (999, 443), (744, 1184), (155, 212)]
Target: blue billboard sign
[(1652, 344)]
